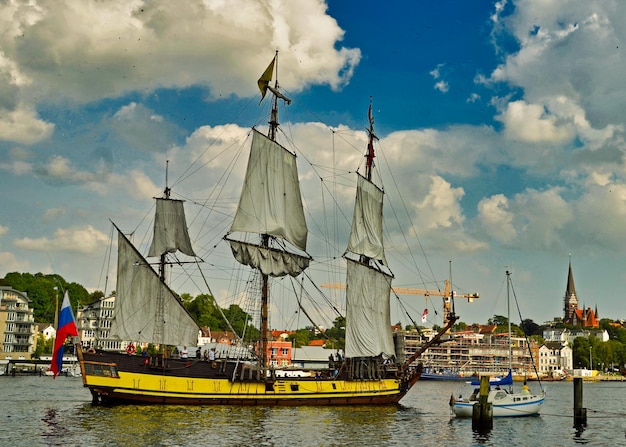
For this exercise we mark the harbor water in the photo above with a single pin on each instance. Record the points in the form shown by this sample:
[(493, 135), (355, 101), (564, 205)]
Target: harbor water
[(41, 411)]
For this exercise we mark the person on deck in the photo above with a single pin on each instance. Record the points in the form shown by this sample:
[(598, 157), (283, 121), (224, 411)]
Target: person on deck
[(184, 353)]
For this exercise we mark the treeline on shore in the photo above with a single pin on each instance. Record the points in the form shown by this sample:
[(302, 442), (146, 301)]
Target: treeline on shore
[(44, 290)]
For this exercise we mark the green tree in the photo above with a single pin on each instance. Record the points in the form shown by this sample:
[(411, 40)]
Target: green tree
[(300, 338), (44, 346), (42, 294), (499, 321), (531, 328)]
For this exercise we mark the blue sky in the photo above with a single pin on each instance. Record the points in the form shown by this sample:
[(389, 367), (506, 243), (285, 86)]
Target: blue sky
[(501, 122)]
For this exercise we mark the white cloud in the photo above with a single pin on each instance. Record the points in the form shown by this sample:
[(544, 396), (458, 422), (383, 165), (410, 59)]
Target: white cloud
[(142, 129), (497, 220), (80, 240), (22, 126), (59, 170), (440, 207), (120, 46), (531, 123), (568, 57), (10, 263), (442, 86), (3, 230)]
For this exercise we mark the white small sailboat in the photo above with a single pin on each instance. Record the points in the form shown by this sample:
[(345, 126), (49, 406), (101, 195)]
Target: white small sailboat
[(506, 403)]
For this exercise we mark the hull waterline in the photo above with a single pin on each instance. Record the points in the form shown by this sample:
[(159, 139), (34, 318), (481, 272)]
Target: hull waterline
[(211, 383)]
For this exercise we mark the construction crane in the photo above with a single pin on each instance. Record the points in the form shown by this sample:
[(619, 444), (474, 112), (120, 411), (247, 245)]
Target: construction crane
[(426, 292)]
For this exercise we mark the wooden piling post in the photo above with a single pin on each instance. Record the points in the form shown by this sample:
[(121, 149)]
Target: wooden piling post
[(580, 413), (482, 411)]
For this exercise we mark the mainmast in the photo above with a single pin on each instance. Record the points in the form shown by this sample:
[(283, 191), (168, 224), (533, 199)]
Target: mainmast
[(265, 238), (369, 156), (270, 209)]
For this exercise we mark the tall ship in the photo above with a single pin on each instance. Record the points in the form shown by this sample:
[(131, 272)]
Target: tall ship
[(268, 235)]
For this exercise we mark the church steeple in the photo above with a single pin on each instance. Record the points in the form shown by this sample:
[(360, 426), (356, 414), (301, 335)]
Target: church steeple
[(570, 301)]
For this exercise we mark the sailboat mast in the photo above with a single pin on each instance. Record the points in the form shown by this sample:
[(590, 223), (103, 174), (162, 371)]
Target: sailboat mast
[(369, 157), (166, 195), (265, 238), (274, 114), (369, 160), (508, 313)]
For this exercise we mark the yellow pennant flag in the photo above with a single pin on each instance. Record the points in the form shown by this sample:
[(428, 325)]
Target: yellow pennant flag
[(266, 77)]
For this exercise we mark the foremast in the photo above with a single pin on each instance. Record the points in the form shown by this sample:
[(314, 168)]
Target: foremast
[(146, 309)]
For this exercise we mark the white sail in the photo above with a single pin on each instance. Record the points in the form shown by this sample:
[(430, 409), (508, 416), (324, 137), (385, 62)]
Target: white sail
[(139, 290), (366, 236), (170, 229), (368, 327), (270, 201), (269, 261)]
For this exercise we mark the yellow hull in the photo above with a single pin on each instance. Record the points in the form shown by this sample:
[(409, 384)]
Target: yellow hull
[(150, 388)]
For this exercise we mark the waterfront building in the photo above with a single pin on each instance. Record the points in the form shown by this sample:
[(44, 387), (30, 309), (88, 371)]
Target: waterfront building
[(94, 325), (567, 336), (480, 351), (18, 330), (555, 359)]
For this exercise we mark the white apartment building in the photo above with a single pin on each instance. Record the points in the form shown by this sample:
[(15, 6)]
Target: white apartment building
[(18, 330)]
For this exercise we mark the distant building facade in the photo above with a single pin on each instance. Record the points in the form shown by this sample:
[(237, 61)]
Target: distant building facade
[(567, 336), (572, 314), (18, 330), (555, 359), (94, 325), (47, 330)]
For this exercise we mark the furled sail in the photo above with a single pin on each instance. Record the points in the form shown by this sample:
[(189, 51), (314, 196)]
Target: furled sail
[(170, 229), (269, 261), (139, 293), (366, 236), (368, 315), (270, 204)]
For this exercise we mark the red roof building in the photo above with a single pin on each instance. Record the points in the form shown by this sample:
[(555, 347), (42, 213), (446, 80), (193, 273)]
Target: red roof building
[(584, 318)]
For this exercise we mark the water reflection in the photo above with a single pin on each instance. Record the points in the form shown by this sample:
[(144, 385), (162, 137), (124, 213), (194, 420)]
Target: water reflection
[(36, 411)]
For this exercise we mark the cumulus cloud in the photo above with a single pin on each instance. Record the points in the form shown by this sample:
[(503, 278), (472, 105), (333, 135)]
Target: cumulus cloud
[(59, 170), (142, 129), (119, 46), (497, 220), (3, 230), (10, 263), (568, 67), (23, 126), (440, 208), (79, 240), (530, 123)]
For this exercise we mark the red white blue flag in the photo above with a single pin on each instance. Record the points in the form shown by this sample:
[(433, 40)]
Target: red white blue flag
[(425, 316), (67, 327)]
